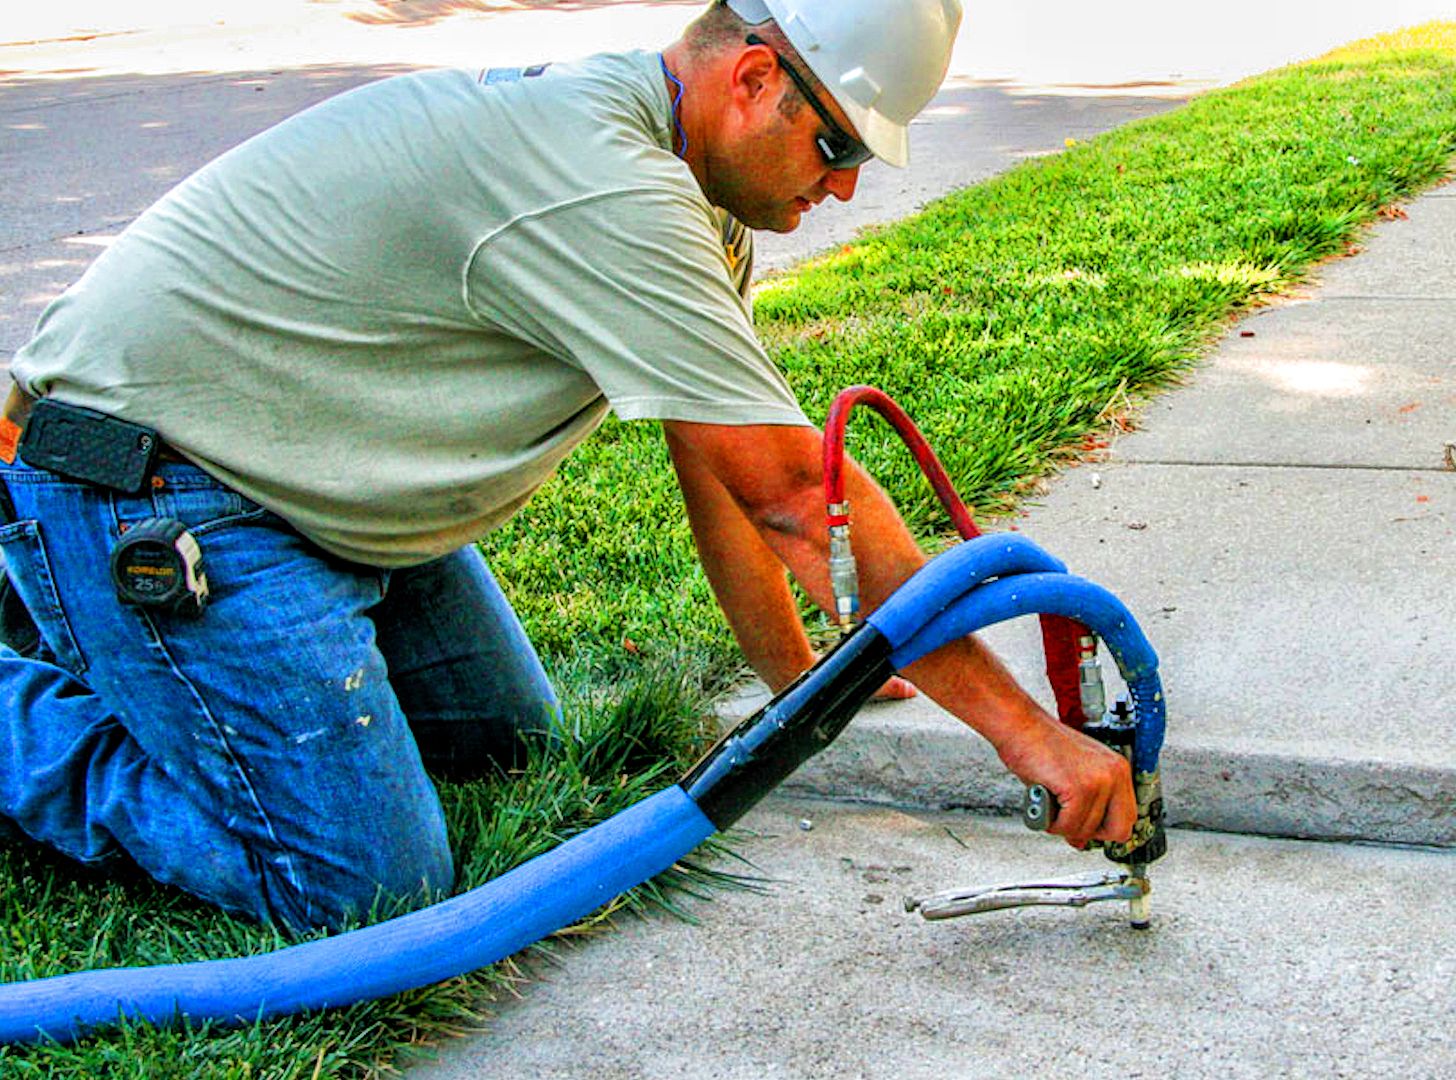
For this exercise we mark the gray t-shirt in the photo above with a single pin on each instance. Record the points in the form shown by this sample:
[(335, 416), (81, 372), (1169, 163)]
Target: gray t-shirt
[(390, 317)]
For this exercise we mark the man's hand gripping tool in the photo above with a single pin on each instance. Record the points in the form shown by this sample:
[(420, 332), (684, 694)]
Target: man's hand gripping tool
[(1116, 728), (1081, 700)]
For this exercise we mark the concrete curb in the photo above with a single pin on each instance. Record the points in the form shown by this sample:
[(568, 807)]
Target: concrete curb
[(914, 755)]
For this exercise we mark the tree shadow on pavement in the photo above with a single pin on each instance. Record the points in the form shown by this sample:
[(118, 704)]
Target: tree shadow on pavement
[(430, 12), (83, 156)]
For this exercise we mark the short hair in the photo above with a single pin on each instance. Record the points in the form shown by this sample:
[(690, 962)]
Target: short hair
[(720, 28)]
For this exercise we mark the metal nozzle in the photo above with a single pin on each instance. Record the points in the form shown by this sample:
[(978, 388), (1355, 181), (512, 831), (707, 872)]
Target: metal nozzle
[(1139, 912)]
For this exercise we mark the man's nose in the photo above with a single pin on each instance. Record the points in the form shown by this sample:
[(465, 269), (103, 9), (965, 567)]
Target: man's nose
[(841, 183)]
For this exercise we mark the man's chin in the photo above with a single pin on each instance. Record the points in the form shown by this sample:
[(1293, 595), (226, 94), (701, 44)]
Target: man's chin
[(779, 219), (784, 222)]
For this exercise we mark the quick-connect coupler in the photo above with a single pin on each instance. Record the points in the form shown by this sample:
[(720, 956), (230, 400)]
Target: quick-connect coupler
[(1089, 678), (1149, 842), (843, 572)]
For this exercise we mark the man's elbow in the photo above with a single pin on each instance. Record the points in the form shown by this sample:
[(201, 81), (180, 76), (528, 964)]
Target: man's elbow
[(781, 521), (774, 474), (789, 504)]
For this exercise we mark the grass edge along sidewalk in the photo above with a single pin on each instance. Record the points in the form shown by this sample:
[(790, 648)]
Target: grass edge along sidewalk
[(1011, 319)]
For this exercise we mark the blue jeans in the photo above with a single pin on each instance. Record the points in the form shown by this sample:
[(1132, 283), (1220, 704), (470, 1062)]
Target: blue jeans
[(272, 756)]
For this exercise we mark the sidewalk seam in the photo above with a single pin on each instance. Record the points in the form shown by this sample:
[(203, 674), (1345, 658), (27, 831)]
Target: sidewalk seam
[(1388, 298)]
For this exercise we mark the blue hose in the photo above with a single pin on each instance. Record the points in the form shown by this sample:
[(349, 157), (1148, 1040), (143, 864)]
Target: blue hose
[(1042, 593), (461, 934), (949, 598), (947, 577)]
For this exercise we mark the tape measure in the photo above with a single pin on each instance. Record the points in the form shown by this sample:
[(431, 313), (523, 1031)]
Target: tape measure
[(158, 564)]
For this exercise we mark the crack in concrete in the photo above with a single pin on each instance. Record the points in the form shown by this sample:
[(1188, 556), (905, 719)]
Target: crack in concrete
[(112, 95), (103, 226), (1441, 469)]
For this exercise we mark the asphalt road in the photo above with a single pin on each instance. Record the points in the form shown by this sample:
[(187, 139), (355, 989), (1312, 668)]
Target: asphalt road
[(85, 156), (104, 106)]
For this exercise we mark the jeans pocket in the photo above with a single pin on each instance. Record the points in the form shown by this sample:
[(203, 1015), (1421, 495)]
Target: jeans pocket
[(29, 569), (17, 628), (187, 494)]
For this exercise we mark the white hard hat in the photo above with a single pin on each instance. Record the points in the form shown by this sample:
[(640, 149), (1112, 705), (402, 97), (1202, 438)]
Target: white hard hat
[(883, 60)]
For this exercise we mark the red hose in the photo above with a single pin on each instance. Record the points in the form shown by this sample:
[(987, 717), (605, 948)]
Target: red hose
[(1058, 634), (925, 457)]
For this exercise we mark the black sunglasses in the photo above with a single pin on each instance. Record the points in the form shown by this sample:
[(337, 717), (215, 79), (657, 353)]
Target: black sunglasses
[(841, 150)]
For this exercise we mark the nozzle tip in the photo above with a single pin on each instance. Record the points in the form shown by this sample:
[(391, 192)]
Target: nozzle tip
[(1138, 913)]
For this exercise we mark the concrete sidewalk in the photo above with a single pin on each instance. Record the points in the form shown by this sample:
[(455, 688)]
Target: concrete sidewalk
[(1266, 959), (1283, 531)]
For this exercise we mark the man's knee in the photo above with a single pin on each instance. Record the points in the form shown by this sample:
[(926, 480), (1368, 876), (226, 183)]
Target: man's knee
[(463, 750), (384, 878)]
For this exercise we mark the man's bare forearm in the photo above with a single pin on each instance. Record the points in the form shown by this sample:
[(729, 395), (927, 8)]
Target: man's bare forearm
[(748, 579), (965, 677), (773, 475)]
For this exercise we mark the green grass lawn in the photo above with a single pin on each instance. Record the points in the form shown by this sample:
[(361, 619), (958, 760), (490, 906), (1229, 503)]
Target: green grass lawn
[(1012, 320)]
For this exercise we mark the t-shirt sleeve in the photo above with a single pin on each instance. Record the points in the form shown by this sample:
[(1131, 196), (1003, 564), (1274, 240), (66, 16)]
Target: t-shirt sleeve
[(637, 289)]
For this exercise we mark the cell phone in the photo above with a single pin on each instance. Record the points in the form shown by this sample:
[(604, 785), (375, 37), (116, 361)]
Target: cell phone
[(83, 444)]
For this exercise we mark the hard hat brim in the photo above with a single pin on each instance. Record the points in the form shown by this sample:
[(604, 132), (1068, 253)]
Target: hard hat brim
[(881, 80), (753, 12), (887, 140)]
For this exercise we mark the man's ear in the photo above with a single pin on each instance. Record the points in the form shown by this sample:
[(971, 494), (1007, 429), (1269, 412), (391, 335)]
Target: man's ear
[(755, 77)]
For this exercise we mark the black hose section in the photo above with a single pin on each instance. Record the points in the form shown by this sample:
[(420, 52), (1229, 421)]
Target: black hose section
[(802, 719)]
